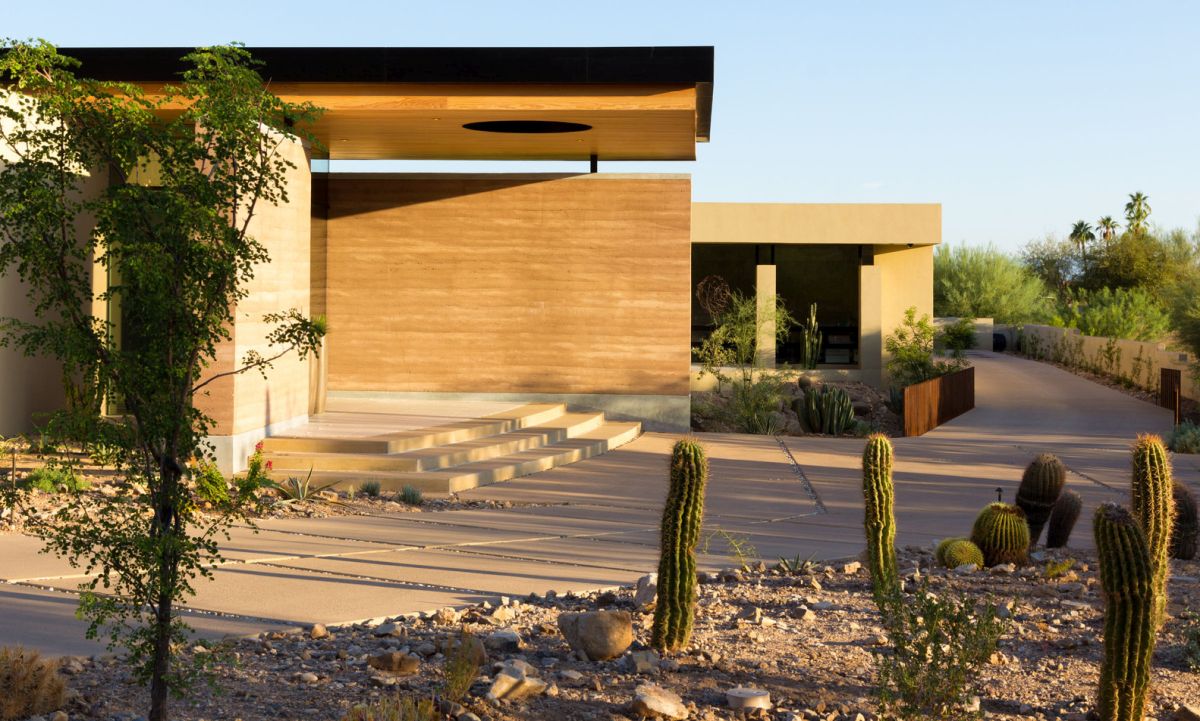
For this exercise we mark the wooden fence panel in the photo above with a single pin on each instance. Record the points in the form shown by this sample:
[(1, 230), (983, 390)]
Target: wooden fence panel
[(1170, 391), (929, 404)]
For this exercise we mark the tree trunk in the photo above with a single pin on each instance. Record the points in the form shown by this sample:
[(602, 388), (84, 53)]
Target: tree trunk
[(165, 523), (162, 657)]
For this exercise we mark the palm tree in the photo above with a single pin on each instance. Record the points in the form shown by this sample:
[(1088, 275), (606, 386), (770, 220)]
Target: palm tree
[(1081, 235), (1137, 210), (1108, 227)]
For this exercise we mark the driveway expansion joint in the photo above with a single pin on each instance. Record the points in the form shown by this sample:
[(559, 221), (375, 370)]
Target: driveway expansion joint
[(799, 471)]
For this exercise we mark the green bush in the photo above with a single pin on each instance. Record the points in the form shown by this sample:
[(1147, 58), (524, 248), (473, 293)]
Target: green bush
[(411, 495), (1185, 438), (754, 405), (937, 647), (959, 337), (1129, 313), (55, 479), (983, 282), (910, 352), (210, 485), (372, 489)]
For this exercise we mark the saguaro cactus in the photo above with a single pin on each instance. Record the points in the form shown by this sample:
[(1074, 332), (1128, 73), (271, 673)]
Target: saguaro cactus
[(1002, 534), (1040, 487), (1184, 536), (1062, 519), (1152, 502), (1130, 609), (682, 515), (878, 519)]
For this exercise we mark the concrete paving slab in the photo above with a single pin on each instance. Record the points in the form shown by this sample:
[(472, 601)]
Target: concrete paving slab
[(21, 558), (483, 574), (250, 545), (578, 551), (537, 521), (45, 620), (399, 531)]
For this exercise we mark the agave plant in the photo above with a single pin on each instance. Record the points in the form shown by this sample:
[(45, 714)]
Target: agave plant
[(296, 489)]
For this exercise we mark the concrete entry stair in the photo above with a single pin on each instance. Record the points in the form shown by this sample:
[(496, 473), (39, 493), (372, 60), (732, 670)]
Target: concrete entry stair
[(349, 449)]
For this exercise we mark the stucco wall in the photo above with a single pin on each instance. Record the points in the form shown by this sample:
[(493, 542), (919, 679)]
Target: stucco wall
[(509, 284), (900, 278), (1137, 361), (818, 223), (247, 406)]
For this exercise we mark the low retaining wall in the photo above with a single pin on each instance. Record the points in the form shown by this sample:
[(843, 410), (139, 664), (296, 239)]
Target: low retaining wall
[(708, 383), (1138, 363), (984, 327), (929, 404)]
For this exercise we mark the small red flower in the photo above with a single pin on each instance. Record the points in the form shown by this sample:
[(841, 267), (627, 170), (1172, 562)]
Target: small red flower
[(269, 465), (258, 447)]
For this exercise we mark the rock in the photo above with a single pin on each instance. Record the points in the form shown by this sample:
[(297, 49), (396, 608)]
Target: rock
[(1003, 568), (597, 635), (426, 649), (402, 664), (644, 661), (515, 682), (468, 716), (388, 629), (1187, 712), (475, 650), (318, 631), (752, 614), (307, 677), (744, 697), (966, 569), (851, 568), (657, 702), (60, 716), (504, 640), (646, 593), (804, 613), (445, 616)]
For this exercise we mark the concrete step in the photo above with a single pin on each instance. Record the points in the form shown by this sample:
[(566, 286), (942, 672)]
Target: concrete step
[(554, 430), (525, 416), (606, 436)]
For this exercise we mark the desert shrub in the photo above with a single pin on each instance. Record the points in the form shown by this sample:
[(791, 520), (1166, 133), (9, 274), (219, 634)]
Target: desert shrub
[(1185, 438), (1191, 639), (397, 708), (29, 686), (959, 337), (735, 339), (461, 667), (910, 352), (1130, 313), (937, 646), (754, 405), (210, 485), (372, 489), (411, 495), (55, 479), (983, 282)]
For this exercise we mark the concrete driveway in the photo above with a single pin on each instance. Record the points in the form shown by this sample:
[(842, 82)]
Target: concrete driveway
[(594, 523)]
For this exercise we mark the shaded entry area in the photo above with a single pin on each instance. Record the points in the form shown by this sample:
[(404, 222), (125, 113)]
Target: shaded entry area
[(827, 275)]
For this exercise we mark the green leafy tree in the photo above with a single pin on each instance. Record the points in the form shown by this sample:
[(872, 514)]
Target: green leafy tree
[(1131, 260), (1137, 212), (1052, 259), (983, 282), (1130, 313), (178, 255)]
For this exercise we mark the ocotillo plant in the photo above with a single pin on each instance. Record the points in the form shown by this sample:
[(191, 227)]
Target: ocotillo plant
[(1002, 534), (1130, 611), (1062, 519), (682, 515), (1184, 536), (1152, 502), (878, 519), (1040, 487)]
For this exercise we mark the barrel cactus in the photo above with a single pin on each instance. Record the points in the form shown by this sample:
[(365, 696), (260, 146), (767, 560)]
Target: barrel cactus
[(1131, 606), (1184, 536), (1152, 502), (1062, 519), (1002, 534), (825, 409), (955, 552), (878, 519), (681, 519), (1041, 485)]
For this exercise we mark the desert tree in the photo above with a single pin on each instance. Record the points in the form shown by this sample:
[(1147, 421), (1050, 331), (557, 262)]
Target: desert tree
[(178, 253)]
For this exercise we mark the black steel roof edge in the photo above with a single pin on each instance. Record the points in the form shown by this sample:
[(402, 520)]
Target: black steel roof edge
[(647, 64)]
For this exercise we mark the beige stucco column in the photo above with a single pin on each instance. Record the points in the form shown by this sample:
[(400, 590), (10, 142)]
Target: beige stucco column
[(870, 325), (764, 291)]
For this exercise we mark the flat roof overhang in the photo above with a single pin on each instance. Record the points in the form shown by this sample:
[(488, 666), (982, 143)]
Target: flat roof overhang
[(898, 224), (641, 103)]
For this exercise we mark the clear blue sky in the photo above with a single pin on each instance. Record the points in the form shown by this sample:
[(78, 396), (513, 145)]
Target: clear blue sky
[(1019, 117)]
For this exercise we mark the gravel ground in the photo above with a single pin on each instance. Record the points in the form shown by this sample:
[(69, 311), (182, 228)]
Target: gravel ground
[(807, 638)]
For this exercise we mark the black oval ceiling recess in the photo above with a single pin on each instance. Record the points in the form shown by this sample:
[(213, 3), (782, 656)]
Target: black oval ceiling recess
[(527, 126)]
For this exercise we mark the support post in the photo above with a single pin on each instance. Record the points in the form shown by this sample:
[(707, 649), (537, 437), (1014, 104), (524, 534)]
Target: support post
[(764, 291)]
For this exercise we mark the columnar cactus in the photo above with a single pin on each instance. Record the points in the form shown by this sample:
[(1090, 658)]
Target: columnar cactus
[(1152, 502), (1130, 613), (1040, 487), (1002, 534), (878, 520), (1062, 519), (682, 515), (955, 552), (825, 409), (1184, 535)]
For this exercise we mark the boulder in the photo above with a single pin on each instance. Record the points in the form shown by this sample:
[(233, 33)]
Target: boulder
[(504, 640), (402, 664), (745, 698), (646, 593), (597, 635), (515, 682), (657, 702)]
